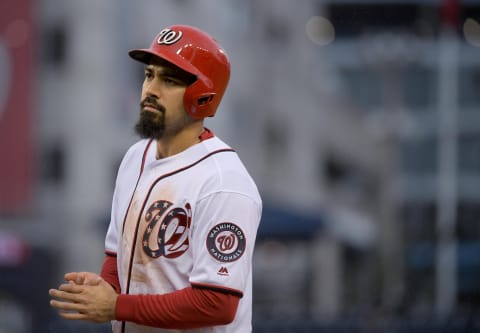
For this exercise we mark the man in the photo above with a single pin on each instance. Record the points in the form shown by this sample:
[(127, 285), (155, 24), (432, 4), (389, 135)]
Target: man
[(185, 211)]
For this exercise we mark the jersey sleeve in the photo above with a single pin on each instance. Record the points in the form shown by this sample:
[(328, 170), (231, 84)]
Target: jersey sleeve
[(109, 271), (223, 239), (186, 308)]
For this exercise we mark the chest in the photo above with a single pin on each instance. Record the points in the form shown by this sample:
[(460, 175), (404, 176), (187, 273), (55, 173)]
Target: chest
[(159, 219)]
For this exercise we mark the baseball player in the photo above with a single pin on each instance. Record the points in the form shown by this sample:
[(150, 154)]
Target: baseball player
[(185, 211)]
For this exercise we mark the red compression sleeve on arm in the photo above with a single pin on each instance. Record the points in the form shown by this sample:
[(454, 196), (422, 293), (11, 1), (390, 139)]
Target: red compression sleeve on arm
[(109, 271), (182, 309)]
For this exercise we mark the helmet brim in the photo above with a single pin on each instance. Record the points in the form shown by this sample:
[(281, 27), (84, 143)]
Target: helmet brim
[(145, 56)]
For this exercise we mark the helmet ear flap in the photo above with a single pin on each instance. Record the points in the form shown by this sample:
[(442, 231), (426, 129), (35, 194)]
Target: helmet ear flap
[(204, 99), (200, 101)]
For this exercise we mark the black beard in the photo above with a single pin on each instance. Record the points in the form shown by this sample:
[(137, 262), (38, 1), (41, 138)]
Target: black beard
[(150, 125)]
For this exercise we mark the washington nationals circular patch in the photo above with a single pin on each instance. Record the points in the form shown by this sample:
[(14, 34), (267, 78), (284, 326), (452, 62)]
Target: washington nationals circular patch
[(226, 242)]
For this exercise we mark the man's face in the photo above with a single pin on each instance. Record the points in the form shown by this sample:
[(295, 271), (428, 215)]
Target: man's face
[(162, 112)]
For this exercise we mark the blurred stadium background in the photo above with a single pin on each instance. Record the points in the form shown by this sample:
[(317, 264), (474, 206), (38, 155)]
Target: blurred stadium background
[(359, 120)]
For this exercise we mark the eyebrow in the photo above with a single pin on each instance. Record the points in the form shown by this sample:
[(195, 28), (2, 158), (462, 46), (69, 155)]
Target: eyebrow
[(167, 71), (175, 73)]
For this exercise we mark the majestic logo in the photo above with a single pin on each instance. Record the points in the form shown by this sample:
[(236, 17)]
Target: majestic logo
[(167, 231), (223, 271), (226, 242), (168, 37)]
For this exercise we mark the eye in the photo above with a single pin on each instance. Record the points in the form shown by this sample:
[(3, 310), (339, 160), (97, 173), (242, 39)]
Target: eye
[(148, 74), (168, 80), (171, 81)]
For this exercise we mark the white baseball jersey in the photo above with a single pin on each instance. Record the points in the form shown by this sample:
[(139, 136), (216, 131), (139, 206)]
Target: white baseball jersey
[(183, 220)]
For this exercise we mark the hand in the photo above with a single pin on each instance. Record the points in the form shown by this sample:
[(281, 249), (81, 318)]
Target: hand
[(91, 299)]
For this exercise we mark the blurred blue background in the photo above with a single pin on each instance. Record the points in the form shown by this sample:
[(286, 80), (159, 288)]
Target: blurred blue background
[(359, 121)]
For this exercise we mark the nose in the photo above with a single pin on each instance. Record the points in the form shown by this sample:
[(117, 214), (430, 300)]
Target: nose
[(151, 89)]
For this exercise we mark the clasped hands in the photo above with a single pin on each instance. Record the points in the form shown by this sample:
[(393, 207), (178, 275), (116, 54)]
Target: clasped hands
[(84, 296)]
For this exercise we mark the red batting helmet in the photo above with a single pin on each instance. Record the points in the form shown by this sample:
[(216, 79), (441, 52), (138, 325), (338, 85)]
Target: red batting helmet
[(197, 53)]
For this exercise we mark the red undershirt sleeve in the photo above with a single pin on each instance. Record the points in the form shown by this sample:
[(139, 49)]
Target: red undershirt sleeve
[(109, 271), (182, 309)]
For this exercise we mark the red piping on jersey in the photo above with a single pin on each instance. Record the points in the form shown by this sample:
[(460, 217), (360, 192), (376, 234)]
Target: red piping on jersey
[(146, 199), (144, 158), (142, 167), (220, 289)]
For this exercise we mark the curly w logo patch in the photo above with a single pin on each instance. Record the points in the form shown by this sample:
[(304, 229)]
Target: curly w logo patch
[(167, 231)]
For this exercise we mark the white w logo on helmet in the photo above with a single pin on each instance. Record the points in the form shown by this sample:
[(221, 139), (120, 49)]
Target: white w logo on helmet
[(168, 37)]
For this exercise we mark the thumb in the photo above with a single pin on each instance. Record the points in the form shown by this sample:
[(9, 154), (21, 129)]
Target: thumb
[(92, 279)]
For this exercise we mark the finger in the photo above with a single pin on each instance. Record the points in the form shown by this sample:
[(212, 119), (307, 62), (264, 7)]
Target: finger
[(71, 276), (80, 278), (93, 280), (71, 288), (71, 297), (67, 306), (73, 315), (75, 277)]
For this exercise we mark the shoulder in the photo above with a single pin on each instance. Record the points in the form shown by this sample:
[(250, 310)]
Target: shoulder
[(138, 147), (135, 154), (225, 171)]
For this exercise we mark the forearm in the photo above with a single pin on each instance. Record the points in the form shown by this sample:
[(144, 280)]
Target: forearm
[(183, 309)]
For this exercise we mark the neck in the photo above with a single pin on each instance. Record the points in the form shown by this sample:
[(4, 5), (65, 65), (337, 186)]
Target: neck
[(174, 144)]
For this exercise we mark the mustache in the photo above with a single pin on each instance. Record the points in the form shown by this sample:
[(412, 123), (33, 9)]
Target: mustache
[(151, 101)]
